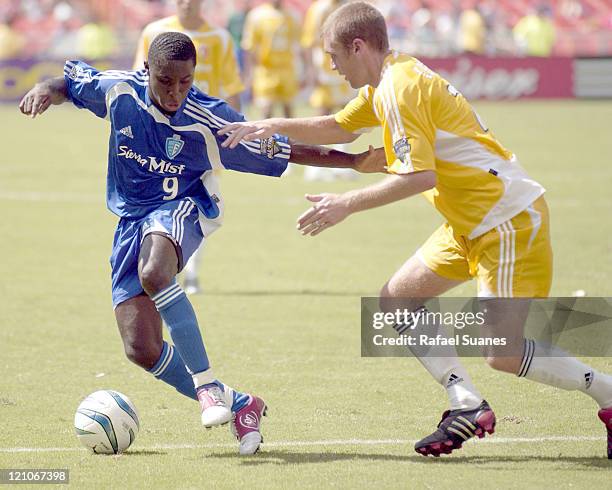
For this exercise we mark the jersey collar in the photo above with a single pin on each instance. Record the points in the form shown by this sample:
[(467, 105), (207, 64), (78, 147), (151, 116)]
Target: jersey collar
[(389, 59)]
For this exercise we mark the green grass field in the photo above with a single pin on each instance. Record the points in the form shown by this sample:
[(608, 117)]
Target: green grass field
[(280, 316)]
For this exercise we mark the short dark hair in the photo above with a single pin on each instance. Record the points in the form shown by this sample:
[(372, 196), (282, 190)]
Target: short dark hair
[(357, 20), (171, 46)]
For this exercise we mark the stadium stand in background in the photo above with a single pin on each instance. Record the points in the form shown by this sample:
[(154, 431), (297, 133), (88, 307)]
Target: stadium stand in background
[(425, 28)]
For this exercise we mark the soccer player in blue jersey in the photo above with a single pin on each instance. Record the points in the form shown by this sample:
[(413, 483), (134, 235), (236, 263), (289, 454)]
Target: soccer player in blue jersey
[(163, 148)]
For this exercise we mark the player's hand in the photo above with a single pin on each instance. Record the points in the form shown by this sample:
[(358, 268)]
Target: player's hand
[(371, 161), (36, 101), (247, 131), (328, 210)]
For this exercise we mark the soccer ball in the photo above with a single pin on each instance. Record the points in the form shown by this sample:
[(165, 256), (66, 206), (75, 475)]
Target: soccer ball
[(106, 422)]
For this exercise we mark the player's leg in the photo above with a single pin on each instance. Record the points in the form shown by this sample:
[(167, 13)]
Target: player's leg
[(140, 327), (439, 266), (523, 245), (138, 320), (158, 265), (171, 234)]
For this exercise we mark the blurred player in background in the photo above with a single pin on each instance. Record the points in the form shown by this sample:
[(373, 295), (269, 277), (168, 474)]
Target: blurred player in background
[(329, 90), (270, 40), (217, 74), (497, 223), (161, 185)]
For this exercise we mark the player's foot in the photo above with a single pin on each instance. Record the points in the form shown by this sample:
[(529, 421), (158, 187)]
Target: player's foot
[(246, 424), (456, 427), (192, 286), (215, 409), (605, 415)]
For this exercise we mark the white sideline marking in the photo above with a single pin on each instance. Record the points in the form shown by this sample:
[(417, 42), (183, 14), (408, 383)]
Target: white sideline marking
[(333, 442)]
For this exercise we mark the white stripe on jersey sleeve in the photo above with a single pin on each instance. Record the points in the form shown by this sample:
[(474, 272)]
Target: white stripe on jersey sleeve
[(253, 149), (139, 77), (222, 122), (205, 115)]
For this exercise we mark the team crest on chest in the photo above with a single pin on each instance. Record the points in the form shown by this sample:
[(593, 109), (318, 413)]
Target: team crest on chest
[(174, 146)]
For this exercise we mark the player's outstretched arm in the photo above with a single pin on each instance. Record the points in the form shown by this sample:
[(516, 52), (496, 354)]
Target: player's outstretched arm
[(39, 98), (371, 161), (321, 130), (330, 209)]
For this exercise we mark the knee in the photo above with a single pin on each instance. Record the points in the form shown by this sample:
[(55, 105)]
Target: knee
[(144, 355), (392, 297), (154, 279)]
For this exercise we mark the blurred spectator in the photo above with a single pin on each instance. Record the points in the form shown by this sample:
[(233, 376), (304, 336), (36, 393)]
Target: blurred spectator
[(422, 27), (472, 30), (500, 36), (571, 10), (535, 33), (96, 41), (447, 26), (398, 21), (11, 42)]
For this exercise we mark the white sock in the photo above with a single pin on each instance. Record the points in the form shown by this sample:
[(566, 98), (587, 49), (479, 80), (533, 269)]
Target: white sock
[(553, 366), (191, 267), (443, 364)]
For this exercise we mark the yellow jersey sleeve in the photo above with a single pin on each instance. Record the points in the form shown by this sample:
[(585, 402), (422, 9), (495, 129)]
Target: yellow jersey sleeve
[(358, 115)]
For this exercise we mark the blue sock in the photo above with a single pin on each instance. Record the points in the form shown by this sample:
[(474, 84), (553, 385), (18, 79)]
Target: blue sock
[(239, 401), (171, 369), (178, 314)]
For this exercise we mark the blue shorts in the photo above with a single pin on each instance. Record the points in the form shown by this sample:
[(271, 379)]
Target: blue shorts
[(178, 220)]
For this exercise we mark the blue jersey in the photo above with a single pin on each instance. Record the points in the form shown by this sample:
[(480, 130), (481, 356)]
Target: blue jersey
[(154, 158)]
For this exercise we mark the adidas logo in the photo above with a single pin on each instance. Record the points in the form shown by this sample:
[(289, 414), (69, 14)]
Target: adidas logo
[(127, 131), (453, 379), (588, 379)]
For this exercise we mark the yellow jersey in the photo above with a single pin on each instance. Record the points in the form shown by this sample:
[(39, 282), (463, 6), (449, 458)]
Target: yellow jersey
[(428, 125), (271, 35), (217, 71)]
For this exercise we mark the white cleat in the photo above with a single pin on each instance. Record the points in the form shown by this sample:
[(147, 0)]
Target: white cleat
[(215, 409)]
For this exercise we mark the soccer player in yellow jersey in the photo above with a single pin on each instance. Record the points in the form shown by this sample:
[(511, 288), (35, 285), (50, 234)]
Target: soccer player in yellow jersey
[(497, 225), (217, 71), (330, 91), (270, 39)]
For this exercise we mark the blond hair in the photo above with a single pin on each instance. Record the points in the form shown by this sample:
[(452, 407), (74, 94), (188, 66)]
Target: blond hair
[(357, 20)]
